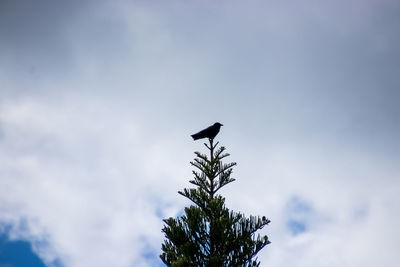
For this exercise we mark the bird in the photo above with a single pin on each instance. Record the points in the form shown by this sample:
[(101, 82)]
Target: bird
[(209, 132)]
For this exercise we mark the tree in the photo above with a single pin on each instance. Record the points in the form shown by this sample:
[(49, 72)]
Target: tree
[(209, 234)]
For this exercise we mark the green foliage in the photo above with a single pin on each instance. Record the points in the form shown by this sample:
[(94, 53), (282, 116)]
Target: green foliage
[(209, 234)]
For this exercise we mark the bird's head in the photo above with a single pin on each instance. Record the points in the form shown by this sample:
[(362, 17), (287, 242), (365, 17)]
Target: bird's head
[(218, 124)]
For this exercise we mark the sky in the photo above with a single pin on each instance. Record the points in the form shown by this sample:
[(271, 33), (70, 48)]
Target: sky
[(98, 100), (17, 253)]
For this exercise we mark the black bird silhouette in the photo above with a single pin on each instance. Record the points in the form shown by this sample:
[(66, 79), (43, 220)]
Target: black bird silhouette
[(209, 132)]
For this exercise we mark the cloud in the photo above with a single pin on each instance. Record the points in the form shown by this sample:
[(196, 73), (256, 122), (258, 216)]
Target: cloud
[(99, 99), (60, 175)]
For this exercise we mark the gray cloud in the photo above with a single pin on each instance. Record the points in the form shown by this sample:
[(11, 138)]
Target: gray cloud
[(98, 100)]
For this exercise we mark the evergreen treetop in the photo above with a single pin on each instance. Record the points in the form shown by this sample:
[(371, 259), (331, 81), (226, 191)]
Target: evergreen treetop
[(209, 234)]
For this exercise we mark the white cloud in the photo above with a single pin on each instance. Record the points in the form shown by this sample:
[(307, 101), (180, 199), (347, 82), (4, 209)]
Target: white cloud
[(94, 131), (83, 176)]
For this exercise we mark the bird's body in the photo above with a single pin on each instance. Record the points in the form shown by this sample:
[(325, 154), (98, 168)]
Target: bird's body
[(209, 132)]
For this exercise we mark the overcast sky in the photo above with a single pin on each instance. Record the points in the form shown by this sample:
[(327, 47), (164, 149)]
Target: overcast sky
[(98, 100)]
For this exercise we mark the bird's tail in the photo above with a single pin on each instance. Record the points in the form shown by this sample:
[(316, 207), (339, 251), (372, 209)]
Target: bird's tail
[(195, 136)]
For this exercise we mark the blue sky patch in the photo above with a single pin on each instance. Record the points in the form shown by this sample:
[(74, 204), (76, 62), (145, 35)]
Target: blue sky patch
[(296, 227), (299, 205), (17, 254), (151, 254), (299, 215)]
